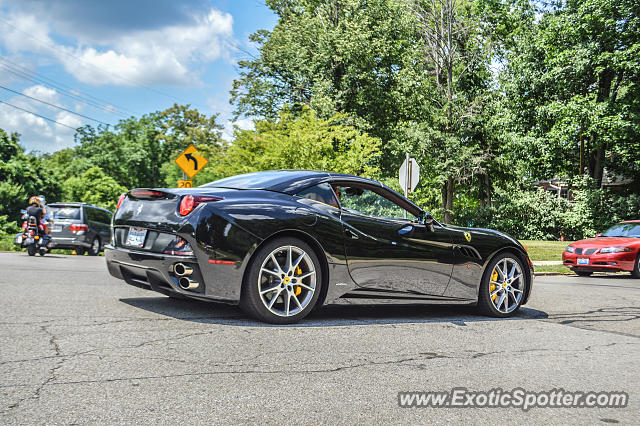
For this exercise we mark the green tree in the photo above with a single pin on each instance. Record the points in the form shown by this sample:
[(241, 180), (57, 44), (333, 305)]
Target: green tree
[(571, 85), (94, 187), (22, 175), (303, 141)]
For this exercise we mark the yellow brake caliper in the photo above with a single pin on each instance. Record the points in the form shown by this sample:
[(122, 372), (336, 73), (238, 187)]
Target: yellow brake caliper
[(492, 286), (297, 288)]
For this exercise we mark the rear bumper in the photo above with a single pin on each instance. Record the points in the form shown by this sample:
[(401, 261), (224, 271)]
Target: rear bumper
[(152, 271), (609, 262), (69, 242)]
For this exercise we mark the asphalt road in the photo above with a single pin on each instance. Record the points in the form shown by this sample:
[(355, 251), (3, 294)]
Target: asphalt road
[(77, 346)]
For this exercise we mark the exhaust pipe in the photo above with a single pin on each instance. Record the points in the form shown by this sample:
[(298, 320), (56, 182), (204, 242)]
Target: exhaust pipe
[(181, 270), (187, 283)]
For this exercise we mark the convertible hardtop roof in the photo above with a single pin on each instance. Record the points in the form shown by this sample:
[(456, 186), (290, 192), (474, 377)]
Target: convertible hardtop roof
[(285, 181), (293, 181)]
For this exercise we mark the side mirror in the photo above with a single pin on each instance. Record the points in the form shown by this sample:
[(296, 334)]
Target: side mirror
[(599, 235), (427, 219)]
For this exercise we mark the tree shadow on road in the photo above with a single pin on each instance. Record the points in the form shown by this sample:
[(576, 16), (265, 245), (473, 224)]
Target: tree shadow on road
[(327, 316)]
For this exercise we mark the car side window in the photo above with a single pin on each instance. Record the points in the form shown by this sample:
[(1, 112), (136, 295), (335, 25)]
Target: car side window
[(322, 193), (369, 203), (105, 217)]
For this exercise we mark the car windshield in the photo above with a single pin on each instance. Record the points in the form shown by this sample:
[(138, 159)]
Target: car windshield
[(65, 212), (623, 230)]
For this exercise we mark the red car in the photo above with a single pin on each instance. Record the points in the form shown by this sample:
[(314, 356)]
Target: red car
[(616, 249)]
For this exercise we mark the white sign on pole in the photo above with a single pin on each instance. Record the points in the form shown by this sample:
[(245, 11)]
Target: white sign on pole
[(409, 175)]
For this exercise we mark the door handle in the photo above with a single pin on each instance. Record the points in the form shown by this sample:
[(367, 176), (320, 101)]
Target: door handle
[(349, 233), (406, 230)]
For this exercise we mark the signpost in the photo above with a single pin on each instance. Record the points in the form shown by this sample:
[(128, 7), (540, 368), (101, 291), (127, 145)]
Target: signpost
[(409, 176), (191, 162)]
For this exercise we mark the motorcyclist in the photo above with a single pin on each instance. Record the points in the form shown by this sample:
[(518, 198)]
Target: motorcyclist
[(35, 209)]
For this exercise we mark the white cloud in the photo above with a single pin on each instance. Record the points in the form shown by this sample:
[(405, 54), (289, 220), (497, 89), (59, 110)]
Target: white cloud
[(159, 56), (42, 92), (35, 132), (230, 127)]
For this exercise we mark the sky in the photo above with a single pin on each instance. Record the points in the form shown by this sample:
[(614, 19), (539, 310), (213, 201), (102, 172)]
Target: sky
[(83, 62)]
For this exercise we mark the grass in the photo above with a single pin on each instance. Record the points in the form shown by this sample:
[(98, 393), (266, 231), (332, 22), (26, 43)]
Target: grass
[(545, 251)]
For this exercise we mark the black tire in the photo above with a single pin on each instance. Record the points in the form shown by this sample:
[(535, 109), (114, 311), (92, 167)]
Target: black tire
[(95, 247), (636, 269), (31, 250), (43, 252), (485, 303), (251, 302), (584, 273)]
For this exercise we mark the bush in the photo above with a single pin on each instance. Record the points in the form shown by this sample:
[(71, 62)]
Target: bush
[(539, 215)]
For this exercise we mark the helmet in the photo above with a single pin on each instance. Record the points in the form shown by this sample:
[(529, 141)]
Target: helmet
[(43, 201), (34, 200)]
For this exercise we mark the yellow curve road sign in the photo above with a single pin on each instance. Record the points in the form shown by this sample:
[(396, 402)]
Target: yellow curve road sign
[(191, 161)]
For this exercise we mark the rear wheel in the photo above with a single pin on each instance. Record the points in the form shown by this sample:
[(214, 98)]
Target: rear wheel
[(43, 252), (95, 247), (583, 273), (283, 282), (636, 269), (503, 286), (31, 249)]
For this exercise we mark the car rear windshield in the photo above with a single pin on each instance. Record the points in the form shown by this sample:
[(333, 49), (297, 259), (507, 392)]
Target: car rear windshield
[(65, 212), (623, 230)]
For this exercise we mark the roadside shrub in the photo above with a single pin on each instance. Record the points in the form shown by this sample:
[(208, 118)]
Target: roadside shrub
[(539, 215)]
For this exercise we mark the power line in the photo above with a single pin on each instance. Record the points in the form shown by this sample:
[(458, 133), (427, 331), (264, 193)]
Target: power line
[(64, 92), (53, 47), (37, 115), (53, 105), (102, 105)]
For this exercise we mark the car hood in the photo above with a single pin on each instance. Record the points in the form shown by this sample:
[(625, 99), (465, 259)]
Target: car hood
[(606, 242)]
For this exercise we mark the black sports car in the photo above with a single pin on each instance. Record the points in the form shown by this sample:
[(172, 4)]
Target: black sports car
[(281, 243)]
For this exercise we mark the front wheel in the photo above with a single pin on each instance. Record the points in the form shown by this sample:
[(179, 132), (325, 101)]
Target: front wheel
[(31, 249), (283, 282), (636, 269), (503, 286)]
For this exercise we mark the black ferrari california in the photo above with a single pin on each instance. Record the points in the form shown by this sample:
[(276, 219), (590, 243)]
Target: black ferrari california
[(283, 243)]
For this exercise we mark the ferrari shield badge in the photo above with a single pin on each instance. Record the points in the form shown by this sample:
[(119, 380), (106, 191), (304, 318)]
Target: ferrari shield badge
[(467, 236)]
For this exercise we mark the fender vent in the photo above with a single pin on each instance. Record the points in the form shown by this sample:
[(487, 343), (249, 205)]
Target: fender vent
[(468, 251)]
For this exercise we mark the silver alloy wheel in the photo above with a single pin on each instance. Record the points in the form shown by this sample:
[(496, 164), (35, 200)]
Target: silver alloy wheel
[(506, 285), (95, 246), (287, 281)]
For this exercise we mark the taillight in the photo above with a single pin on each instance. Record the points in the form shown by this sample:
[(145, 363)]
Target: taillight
[(24, 225), (190, 202), (120, 200), (78, 227)]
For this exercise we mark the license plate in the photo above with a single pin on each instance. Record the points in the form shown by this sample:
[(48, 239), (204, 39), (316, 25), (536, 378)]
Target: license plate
[(136, 237), (583, 261), (57, 228), (28, 241)]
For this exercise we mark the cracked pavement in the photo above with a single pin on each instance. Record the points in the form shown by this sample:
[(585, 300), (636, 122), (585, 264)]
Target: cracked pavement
[(77, 346)]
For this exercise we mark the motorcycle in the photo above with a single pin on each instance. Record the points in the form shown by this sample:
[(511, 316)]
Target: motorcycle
[(33, 237)]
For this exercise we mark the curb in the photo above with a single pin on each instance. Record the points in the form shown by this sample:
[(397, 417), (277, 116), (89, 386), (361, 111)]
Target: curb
[(550, 274)]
